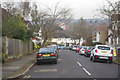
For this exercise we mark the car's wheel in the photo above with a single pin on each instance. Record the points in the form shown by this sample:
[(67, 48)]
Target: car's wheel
[(110, 61), (38, 63), (55, 61)]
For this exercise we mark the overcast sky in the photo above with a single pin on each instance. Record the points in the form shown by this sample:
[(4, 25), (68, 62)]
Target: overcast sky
[(80, 8)]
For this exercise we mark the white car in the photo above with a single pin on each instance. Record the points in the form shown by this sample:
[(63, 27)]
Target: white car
[(101, 52), (82, 50), (74, 47)]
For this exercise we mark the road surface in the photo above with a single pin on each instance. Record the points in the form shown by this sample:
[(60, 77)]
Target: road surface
[(72, 65)]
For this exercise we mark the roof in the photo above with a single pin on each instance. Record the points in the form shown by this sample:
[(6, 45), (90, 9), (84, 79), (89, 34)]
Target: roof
[(102, 45), (101, 28), (60, 35)]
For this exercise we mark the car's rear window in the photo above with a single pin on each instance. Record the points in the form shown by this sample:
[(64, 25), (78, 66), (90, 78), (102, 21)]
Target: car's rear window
[(90, 48), (75, 46), (84, 47), (103, 48), (79, 46), (46, 50)]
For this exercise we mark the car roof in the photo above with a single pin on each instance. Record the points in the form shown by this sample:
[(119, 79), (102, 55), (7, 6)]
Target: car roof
[(102, 45)]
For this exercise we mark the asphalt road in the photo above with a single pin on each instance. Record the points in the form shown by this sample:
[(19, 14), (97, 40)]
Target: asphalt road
[(72, 65)]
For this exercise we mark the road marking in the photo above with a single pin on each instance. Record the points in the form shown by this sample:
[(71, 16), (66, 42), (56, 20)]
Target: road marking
[(28, 77), (59, 59), (86, 71), (46, 70), (24, 76), (79, 64)]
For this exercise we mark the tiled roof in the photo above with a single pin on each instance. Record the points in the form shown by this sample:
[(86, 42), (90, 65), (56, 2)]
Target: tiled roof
[(101, 28), (60, 35)]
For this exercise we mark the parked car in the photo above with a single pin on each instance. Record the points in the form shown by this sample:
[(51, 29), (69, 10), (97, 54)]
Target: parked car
[(82, 50), (46, 54), (70, 47), (66, 47), (101, 52), (61, 47), (54, 47), (74, 47), (78, 49), (88, 51)]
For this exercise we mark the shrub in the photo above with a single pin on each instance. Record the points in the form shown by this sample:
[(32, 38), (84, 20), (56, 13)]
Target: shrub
[(4, 57)]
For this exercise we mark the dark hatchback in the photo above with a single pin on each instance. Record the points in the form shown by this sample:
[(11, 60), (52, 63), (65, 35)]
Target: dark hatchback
[(45, 55), (88, 51)]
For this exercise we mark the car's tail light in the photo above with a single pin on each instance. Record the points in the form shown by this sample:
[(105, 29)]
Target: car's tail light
[(111, 51), (39, 55), (83, 50), (53, 54), (96, 56), (88, 51), (110, 57), (96, 50)]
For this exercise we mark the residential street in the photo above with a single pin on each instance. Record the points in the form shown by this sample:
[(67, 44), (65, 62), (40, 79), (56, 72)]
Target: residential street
[(72, 65)]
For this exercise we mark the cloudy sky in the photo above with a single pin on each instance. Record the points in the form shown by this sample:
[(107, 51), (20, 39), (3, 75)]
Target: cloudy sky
[(80, 8)]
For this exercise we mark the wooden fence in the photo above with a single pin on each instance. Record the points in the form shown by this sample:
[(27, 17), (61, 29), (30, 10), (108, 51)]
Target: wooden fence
[(15, 47)]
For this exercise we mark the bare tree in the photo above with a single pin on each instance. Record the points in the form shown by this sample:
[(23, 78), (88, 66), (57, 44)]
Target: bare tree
[(51, 19), (81, 29), (112, 8)]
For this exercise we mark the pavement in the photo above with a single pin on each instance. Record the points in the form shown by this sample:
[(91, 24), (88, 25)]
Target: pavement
[(16, 67), (72, 65)]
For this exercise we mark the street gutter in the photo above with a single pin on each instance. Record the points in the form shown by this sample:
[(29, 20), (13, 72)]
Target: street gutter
[(23, 70)]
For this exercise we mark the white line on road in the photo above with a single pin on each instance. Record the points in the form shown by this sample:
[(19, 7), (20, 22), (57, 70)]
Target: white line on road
[(86, 71), (59, 59), (79, 64)]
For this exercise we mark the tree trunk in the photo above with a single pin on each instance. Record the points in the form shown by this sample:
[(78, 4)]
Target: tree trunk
[(45, 40)]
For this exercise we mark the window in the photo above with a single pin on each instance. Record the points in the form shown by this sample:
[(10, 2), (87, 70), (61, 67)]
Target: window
[(103, 48)]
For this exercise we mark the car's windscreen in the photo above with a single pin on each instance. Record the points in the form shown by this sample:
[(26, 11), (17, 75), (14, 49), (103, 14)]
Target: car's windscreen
[(103, 48), (84, 47), (46, 50), (75, 46)]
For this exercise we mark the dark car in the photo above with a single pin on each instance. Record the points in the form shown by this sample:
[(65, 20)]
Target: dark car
[(46, 54), (71, 47), (66, 47), (88, 51)]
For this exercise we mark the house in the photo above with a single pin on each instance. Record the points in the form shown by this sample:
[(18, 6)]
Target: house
[(112, 29), (101, 34), (63, 39)]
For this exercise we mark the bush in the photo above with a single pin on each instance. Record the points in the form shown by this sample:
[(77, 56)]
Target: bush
[(97, 43), (4, 57)]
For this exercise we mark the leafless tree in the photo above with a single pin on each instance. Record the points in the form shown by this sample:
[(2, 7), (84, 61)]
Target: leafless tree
[(112, 8), (47, 19)]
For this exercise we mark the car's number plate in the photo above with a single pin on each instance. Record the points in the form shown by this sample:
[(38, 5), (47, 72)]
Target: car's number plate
[(103, 57), (103, 52), (46, 55)]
